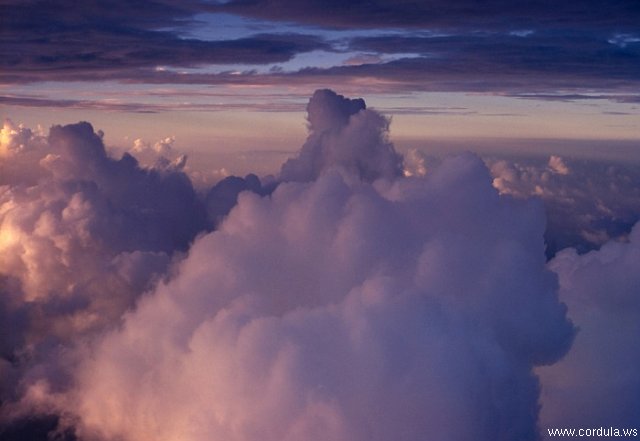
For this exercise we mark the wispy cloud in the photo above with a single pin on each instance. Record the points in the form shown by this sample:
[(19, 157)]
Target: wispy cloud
[(141, 107)]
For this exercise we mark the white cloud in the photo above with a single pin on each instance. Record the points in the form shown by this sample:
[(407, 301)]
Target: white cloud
[(348, 303), (82, 235), (557, 165), (340, 310), (597, 383)]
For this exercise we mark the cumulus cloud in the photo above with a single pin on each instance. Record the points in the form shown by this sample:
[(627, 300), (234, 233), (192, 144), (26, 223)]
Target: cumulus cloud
[(557, 165), (336, 309), (415, 163), (160, 155), (444, 46), (587, 202), (345, 134), (360, 297), (14, 138), (161, 147), (82, 235), (223, 196), (597, 383)]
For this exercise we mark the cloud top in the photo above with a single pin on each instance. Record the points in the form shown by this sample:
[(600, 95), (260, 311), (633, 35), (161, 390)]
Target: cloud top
[(344, 133)]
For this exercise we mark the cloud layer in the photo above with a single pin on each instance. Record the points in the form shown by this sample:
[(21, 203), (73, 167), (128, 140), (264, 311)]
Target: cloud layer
[(45, 41), (441, 14), (507, 47), (587, 202), (356, 297), (338, 310), (355, 304)]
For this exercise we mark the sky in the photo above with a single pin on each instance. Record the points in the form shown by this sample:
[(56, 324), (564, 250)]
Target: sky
[(451, 74), (278, 220)]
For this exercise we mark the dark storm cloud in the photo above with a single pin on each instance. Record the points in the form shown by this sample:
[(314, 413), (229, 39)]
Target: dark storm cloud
[(539, 60), (442, 14), (496, 46), (64, 40), (472, 73), (496, 65), (564, 51), (403, 75)]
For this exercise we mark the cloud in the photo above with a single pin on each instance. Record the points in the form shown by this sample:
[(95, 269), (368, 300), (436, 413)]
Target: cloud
[(617, 98), (509, 47), (82, 235), (547, 56), (587, 202), (597, 383), (345, 134), (360, 59), (14, 139), (223, 196), (339, 307), (160, 156), (59, 41), (346, 300), (557, 165), (444, 15), (121, 105), (415, 163), (517, 48)]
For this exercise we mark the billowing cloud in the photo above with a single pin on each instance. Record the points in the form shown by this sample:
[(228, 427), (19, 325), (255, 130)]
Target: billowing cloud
[(223, 196), (597, 383), (160, 155), (557, 165), (345, 134), (346, 306), (588, 202), (82, 235), (353, 299)]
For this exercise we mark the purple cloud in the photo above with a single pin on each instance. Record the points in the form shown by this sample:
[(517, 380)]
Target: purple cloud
[(357, 305), (349, 301)]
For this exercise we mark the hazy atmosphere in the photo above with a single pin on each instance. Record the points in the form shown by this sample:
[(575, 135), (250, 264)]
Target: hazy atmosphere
[(307, 220)]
